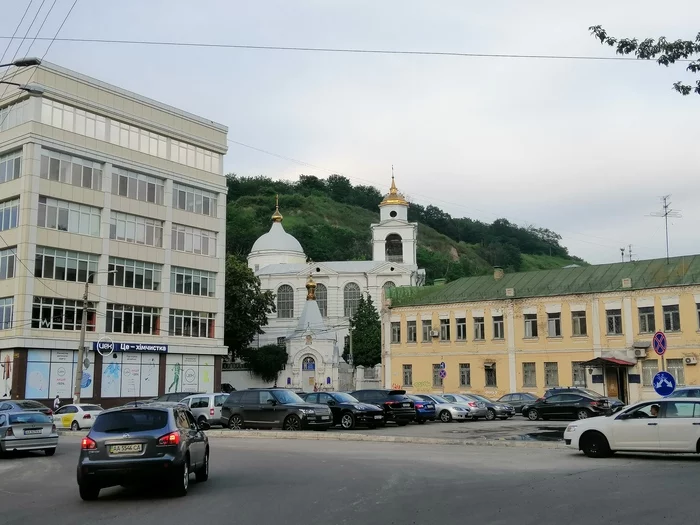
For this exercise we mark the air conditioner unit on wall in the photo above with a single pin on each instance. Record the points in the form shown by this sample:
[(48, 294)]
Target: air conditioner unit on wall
[(691, 360), (434, 333), (640, 352)]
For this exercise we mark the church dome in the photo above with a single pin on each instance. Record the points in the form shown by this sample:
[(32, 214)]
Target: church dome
[(276, 246)]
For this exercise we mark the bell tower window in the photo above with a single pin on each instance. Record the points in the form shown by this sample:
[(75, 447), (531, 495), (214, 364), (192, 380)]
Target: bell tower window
[(393, 247)]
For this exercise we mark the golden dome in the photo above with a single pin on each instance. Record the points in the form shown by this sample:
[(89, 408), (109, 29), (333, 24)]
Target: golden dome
[(277, 216), (310, 289), (394, 197)]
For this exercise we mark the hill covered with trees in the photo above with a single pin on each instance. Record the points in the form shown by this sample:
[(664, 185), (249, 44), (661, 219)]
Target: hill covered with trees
[(331, 219)]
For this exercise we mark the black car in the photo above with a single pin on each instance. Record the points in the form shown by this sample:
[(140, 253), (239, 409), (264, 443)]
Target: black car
[(496, 409), (141, 445), (397, 406), (273, 408), (568, 406), (347, 411), (24, 405), (612, 402), (518, 400)]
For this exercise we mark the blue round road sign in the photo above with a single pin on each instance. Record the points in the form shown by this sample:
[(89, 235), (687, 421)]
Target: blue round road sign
[(664, 384), (659, 343), (443, 373)]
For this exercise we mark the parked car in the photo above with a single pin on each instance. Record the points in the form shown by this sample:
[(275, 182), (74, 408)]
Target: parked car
[(446, 410), (477, 408), (24, 405), (567, 406), (397, 406), (273, 408), (665, 425), (518, 400), (612, 402), (175, 397), (347, 411), (425, 409), (206, 407), (494, 409), (77, 416), (21, 431), (138, 445), (139, 403), (688, 391)]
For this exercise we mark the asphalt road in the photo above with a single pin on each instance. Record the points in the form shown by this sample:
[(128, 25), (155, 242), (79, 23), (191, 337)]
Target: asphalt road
[(290, 482)]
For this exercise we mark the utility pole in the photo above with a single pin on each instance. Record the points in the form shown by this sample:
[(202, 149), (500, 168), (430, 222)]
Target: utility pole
[(666, 212), (622, 254), (630, 252)]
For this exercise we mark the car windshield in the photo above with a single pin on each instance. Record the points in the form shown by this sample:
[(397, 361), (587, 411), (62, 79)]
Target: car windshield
[(30, 404), (344, 398), (285, 397), (29, 418), (439, 399), (462, 399), (590, 393), (130, 421)]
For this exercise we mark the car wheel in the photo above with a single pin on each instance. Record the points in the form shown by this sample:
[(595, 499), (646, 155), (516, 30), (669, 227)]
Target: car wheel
[(181, 480), (235, 422), (490, 415), (347, 421), (201, 420), (50, 451), (583, 414), (88, 493), (203, 473), (595, 445), (532, 415), (74, 426), (402, 423), (292, 423)]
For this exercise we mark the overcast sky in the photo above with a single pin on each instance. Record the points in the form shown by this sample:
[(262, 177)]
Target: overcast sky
[(585, 148)]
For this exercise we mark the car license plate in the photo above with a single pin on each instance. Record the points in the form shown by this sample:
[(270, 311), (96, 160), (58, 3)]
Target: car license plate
[(325, 417), (378, 417), (406, 405), (125, 449), (428, 406), (30, 431)]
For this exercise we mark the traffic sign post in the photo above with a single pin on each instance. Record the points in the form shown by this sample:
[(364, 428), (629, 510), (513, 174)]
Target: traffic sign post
[(443, 373), (660, 344), (664, 383)]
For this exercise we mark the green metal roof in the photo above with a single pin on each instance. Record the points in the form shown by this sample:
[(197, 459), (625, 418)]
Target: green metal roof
[(653, 273)]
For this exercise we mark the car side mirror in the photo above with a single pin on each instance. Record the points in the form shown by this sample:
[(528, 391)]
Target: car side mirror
[(203, 425), (271, 402)]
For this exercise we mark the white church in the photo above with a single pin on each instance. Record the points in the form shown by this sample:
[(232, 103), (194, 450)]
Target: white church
[(315, 300)]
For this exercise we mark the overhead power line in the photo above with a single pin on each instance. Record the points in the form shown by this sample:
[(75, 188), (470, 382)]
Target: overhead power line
[(343, 50)]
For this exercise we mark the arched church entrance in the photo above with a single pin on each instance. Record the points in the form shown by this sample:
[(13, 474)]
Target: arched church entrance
[(308, 374)]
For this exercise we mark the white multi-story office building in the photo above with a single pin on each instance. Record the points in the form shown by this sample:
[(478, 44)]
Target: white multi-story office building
[(101, 184)]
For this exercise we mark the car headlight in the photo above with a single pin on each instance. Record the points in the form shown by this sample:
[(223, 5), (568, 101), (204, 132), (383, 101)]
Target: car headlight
[(307, 411), (359, 407), (571, 428)]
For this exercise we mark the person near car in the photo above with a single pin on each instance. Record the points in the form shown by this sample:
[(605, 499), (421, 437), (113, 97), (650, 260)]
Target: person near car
[(654, 410), (56, 403)]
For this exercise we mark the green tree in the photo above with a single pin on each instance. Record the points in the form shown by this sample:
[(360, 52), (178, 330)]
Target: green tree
[(247, 306), (662, 50), (266, 362), (366, 333)]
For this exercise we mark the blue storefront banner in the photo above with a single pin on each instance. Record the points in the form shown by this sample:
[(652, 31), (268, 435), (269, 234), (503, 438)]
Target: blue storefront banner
[(105, 346)]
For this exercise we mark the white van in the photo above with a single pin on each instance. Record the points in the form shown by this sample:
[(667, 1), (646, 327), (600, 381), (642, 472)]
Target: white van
[(206, 407)]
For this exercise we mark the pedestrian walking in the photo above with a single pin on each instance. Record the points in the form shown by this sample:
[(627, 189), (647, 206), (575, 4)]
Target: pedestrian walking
[(56, 403)]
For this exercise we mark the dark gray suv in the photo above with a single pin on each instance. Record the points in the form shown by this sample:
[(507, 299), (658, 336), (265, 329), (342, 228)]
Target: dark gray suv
[(141, 445), (273, 408)]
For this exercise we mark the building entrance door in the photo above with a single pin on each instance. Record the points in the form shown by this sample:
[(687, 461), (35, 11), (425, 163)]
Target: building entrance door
[(308, 374)]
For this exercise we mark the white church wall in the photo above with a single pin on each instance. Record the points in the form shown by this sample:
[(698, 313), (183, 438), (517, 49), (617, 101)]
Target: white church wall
[(242, 379)]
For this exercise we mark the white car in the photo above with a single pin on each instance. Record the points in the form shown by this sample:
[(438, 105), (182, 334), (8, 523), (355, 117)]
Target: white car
[(664, 425), (76, 417)]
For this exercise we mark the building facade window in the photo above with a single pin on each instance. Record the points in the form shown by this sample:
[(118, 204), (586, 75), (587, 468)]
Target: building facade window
[(14, 115), (68, 217), (529, 375), (461, 325), (672, 318), (61, 314), (427, 327), (554, 325), (351, 299), (6, 312), (479, 329), (138, 139), (676, 367), (191, 324), (491, 380), (395, 332), (63, 265), (650, 367), (411, 331), (8, 259), (128, 319), (10, 166), (9, 214), (195, 200), (465, 374), (578, 374), (137, 274), (530, 325), (72, 119), (614, 321), (498, 328), (194, 157), (72, 170), (578, 323), (285, 302), (192, 282), (137, 186), (135, 229), (647, 323), (322, 299), (437, 380), (551, 374), (407, 375), (444, 329), (193, 240)]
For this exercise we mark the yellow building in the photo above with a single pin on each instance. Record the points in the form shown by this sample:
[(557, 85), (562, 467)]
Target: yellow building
[(589, 326)]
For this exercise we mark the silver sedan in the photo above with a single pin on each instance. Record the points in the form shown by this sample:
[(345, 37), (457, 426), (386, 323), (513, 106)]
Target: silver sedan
[(477, 408), (20, 431), (446, 410)]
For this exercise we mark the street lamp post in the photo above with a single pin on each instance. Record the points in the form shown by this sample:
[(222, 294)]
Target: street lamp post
[(81, 347), (24, 62), (29, 88)]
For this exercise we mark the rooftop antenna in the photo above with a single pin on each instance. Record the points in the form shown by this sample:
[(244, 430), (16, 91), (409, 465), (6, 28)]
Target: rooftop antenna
[(622, 254), (666, 212), (629, 252)]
